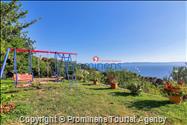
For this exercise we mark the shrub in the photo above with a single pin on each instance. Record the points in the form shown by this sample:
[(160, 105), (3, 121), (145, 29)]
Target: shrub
[(120, 77), (174, 90), (95, 76), (135, 86), (148, 87), (111, 77), (82, 75), (179, 73)]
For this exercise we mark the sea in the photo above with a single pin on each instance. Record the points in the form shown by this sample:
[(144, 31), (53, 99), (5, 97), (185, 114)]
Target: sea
[(159, 70)]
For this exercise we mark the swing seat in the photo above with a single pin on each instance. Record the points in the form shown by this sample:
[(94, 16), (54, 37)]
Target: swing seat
[(23, 77)]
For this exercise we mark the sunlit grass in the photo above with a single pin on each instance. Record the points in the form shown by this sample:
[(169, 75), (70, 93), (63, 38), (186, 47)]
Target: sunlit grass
[(89, 100)]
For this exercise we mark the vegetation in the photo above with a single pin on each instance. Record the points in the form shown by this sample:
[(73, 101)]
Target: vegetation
[(111, 77), (96, 77), (136, 95), (179, 73), (135, 87), (13, 33), (89, 100), (173, 90), (6, 87), (82, 75)]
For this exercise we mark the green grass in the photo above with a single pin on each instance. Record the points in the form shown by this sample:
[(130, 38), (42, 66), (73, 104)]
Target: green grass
[(89, 100)]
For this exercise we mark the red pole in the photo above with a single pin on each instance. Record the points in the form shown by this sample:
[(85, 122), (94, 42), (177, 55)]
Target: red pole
[(40, 51)]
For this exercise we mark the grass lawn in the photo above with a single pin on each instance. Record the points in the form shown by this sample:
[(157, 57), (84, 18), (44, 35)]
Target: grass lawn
[(89, 100)]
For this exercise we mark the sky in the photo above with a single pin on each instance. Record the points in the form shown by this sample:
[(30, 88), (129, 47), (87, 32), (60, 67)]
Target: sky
[(126, 31)]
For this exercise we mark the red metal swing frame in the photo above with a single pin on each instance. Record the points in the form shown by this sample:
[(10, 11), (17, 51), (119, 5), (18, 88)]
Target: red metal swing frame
[(28, 77)]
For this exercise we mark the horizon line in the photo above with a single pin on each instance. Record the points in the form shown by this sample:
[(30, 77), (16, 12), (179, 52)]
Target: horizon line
[(185, 62)]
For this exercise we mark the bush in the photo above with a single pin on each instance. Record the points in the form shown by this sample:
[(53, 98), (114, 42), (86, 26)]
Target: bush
[(120, 77), (82, 75), (95, 76), (179, 73), (148, 87), (111, 77), (173, 90), (135, 86)]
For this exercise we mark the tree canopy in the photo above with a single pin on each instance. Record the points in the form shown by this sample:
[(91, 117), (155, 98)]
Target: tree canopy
[(13, 31), (13, 25)]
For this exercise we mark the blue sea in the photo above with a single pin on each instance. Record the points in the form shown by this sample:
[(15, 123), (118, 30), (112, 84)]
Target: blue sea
[(158, 70)]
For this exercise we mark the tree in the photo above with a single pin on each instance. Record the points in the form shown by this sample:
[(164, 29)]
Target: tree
[(12, 26)]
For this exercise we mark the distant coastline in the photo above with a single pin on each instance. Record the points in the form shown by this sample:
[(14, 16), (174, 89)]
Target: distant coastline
[(182, 62), (146, 69)]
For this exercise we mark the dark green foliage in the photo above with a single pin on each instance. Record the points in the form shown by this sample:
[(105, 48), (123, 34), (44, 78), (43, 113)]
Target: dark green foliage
[(148, 87), (121, 77), (83, 66), (131, 81), (45, 67), (13, 34)]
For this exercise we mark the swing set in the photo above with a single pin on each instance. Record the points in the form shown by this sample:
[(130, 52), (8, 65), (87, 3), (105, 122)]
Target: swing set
[(65, 57)]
